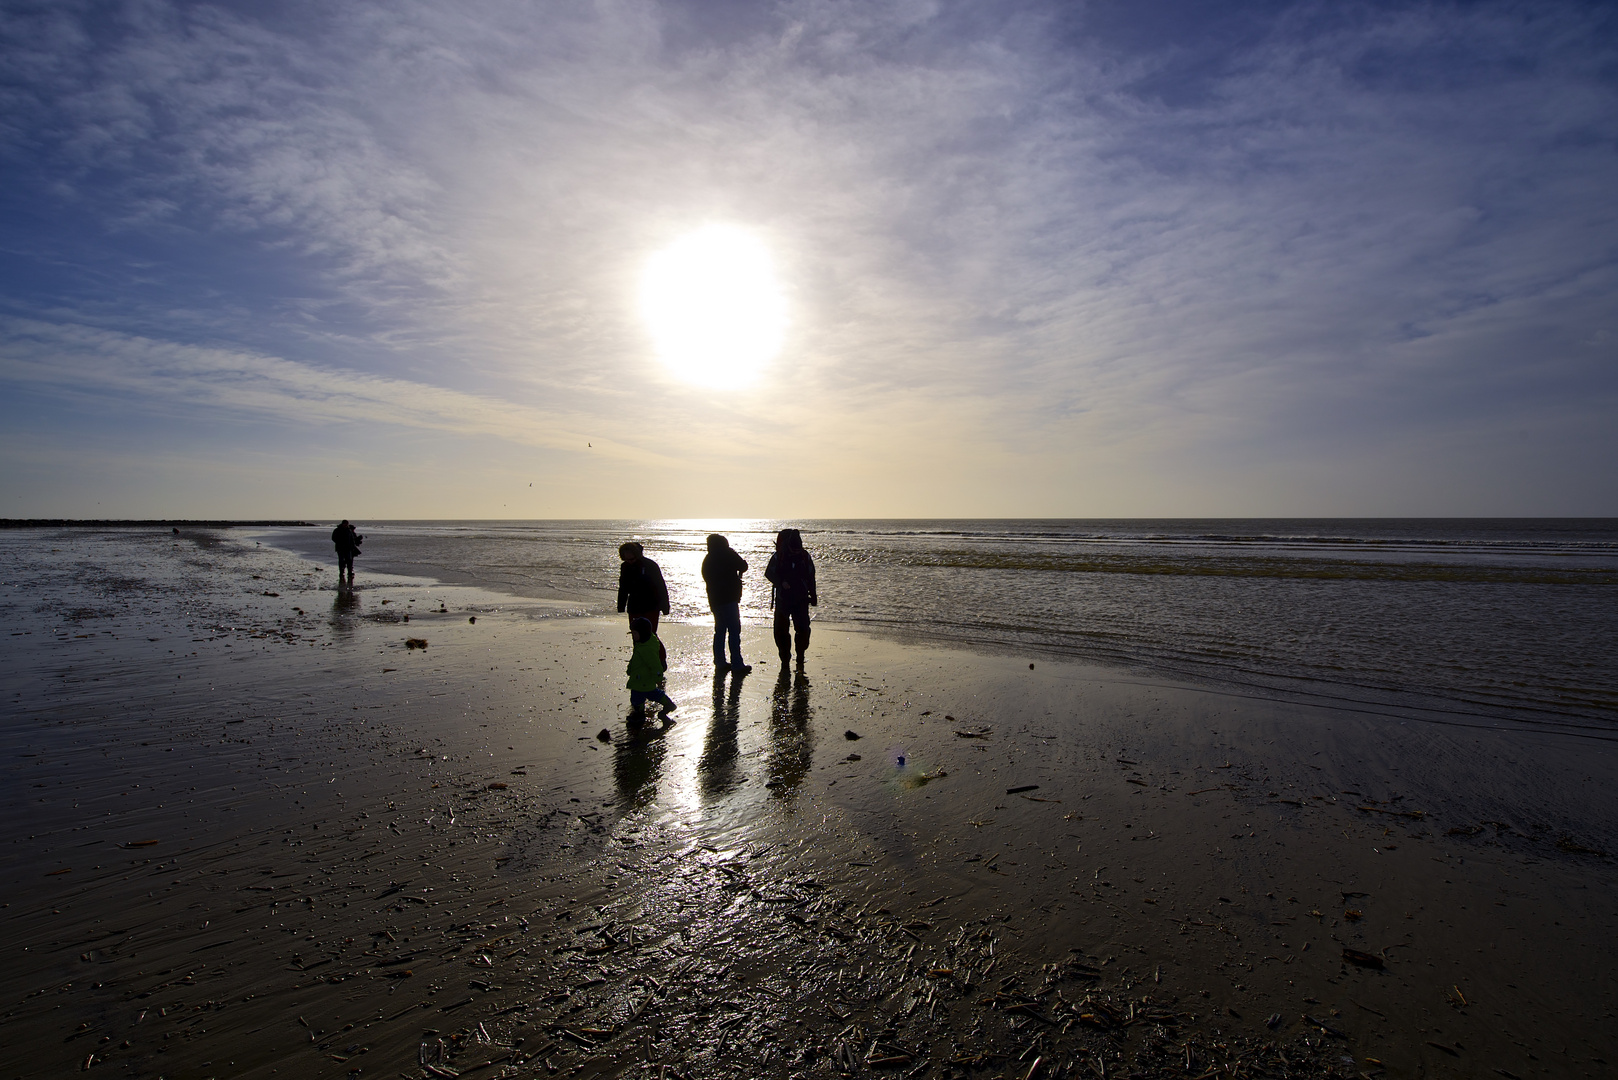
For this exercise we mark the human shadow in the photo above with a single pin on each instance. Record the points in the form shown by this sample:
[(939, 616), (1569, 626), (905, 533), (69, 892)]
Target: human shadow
[(792, 742), (637, 763), (716, 769)]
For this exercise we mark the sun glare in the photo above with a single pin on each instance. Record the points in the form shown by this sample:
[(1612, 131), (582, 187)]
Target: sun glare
[(713, 306)]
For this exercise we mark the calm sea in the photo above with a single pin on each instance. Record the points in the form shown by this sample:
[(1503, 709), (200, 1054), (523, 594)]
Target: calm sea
[(1459, 620)]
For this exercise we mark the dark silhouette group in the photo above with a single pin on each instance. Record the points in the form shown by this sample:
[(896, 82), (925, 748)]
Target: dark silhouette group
[(642, 594)]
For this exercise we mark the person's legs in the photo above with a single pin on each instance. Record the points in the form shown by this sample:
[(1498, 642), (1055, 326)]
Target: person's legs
[(721, 623), (663, 699), (800, 622), (735, 635), (727, 623), (637, 702), (783, 632), (345, 565)]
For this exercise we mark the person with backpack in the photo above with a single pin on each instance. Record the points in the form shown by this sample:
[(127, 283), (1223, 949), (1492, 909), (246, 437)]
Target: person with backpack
[(346, 539), (792, 572)]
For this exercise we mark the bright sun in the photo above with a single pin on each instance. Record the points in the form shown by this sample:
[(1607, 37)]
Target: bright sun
[(713, 305)]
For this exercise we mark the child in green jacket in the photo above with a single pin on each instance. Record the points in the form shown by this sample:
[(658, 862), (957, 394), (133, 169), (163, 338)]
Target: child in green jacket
[(646, 667)]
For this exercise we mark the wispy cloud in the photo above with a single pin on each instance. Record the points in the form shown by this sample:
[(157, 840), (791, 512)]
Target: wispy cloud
[(1023, 230), (78, 360)]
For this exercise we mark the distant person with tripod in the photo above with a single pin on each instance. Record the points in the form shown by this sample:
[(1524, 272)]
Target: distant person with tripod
[(347, 541)]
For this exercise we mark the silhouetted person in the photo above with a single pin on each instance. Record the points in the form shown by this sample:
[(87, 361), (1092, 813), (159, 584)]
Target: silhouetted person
[(722, 569), (347, 541), (792, 572), (646, 666), (641, 591)]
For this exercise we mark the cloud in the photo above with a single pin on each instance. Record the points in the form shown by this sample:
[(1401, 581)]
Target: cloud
[(78, 360), (1029, 230)]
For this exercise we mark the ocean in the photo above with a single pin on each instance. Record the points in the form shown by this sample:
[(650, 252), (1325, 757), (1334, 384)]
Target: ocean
[(1482, 621)]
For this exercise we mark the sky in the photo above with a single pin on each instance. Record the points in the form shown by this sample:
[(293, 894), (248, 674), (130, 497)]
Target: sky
[(1068, 259)]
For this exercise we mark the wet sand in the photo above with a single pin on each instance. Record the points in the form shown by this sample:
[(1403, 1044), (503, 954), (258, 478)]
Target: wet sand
[(259, 835)]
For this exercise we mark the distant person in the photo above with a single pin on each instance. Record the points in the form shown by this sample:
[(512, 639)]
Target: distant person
[(792, 572), (647, 664), (641, 591), (347, 541), (722, 569)]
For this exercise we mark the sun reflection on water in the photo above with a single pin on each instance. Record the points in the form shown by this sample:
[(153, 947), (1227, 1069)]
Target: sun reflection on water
[(727, 761)]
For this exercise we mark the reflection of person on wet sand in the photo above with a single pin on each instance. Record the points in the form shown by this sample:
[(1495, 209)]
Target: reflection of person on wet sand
[(716, 769), (792, 743), (792, 572), (636, 764), (346, 539), (344, 606)]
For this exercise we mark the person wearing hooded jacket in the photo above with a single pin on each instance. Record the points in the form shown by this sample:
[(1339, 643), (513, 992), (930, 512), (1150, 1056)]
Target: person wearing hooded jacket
[(792, 572), (647, 663), (722, 570)]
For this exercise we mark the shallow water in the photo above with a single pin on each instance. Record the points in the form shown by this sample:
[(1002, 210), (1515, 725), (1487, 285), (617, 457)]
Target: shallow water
[(1456, 620)]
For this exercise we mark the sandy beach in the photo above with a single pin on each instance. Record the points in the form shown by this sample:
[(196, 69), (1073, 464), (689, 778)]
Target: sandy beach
[(257, 832)]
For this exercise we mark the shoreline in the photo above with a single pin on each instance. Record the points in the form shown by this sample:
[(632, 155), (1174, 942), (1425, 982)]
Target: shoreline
[(1447, 671), (1197, 852), (133, 523)]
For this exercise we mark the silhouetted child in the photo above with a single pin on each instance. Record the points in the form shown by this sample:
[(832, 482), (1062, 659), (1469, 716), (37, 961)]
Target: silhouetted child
[(646, 666)]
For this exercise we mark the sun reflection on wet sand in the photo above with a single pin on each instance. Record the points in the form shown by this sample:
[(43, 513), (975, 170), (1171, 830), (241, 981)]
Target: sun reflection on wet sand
[(726, 764)]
